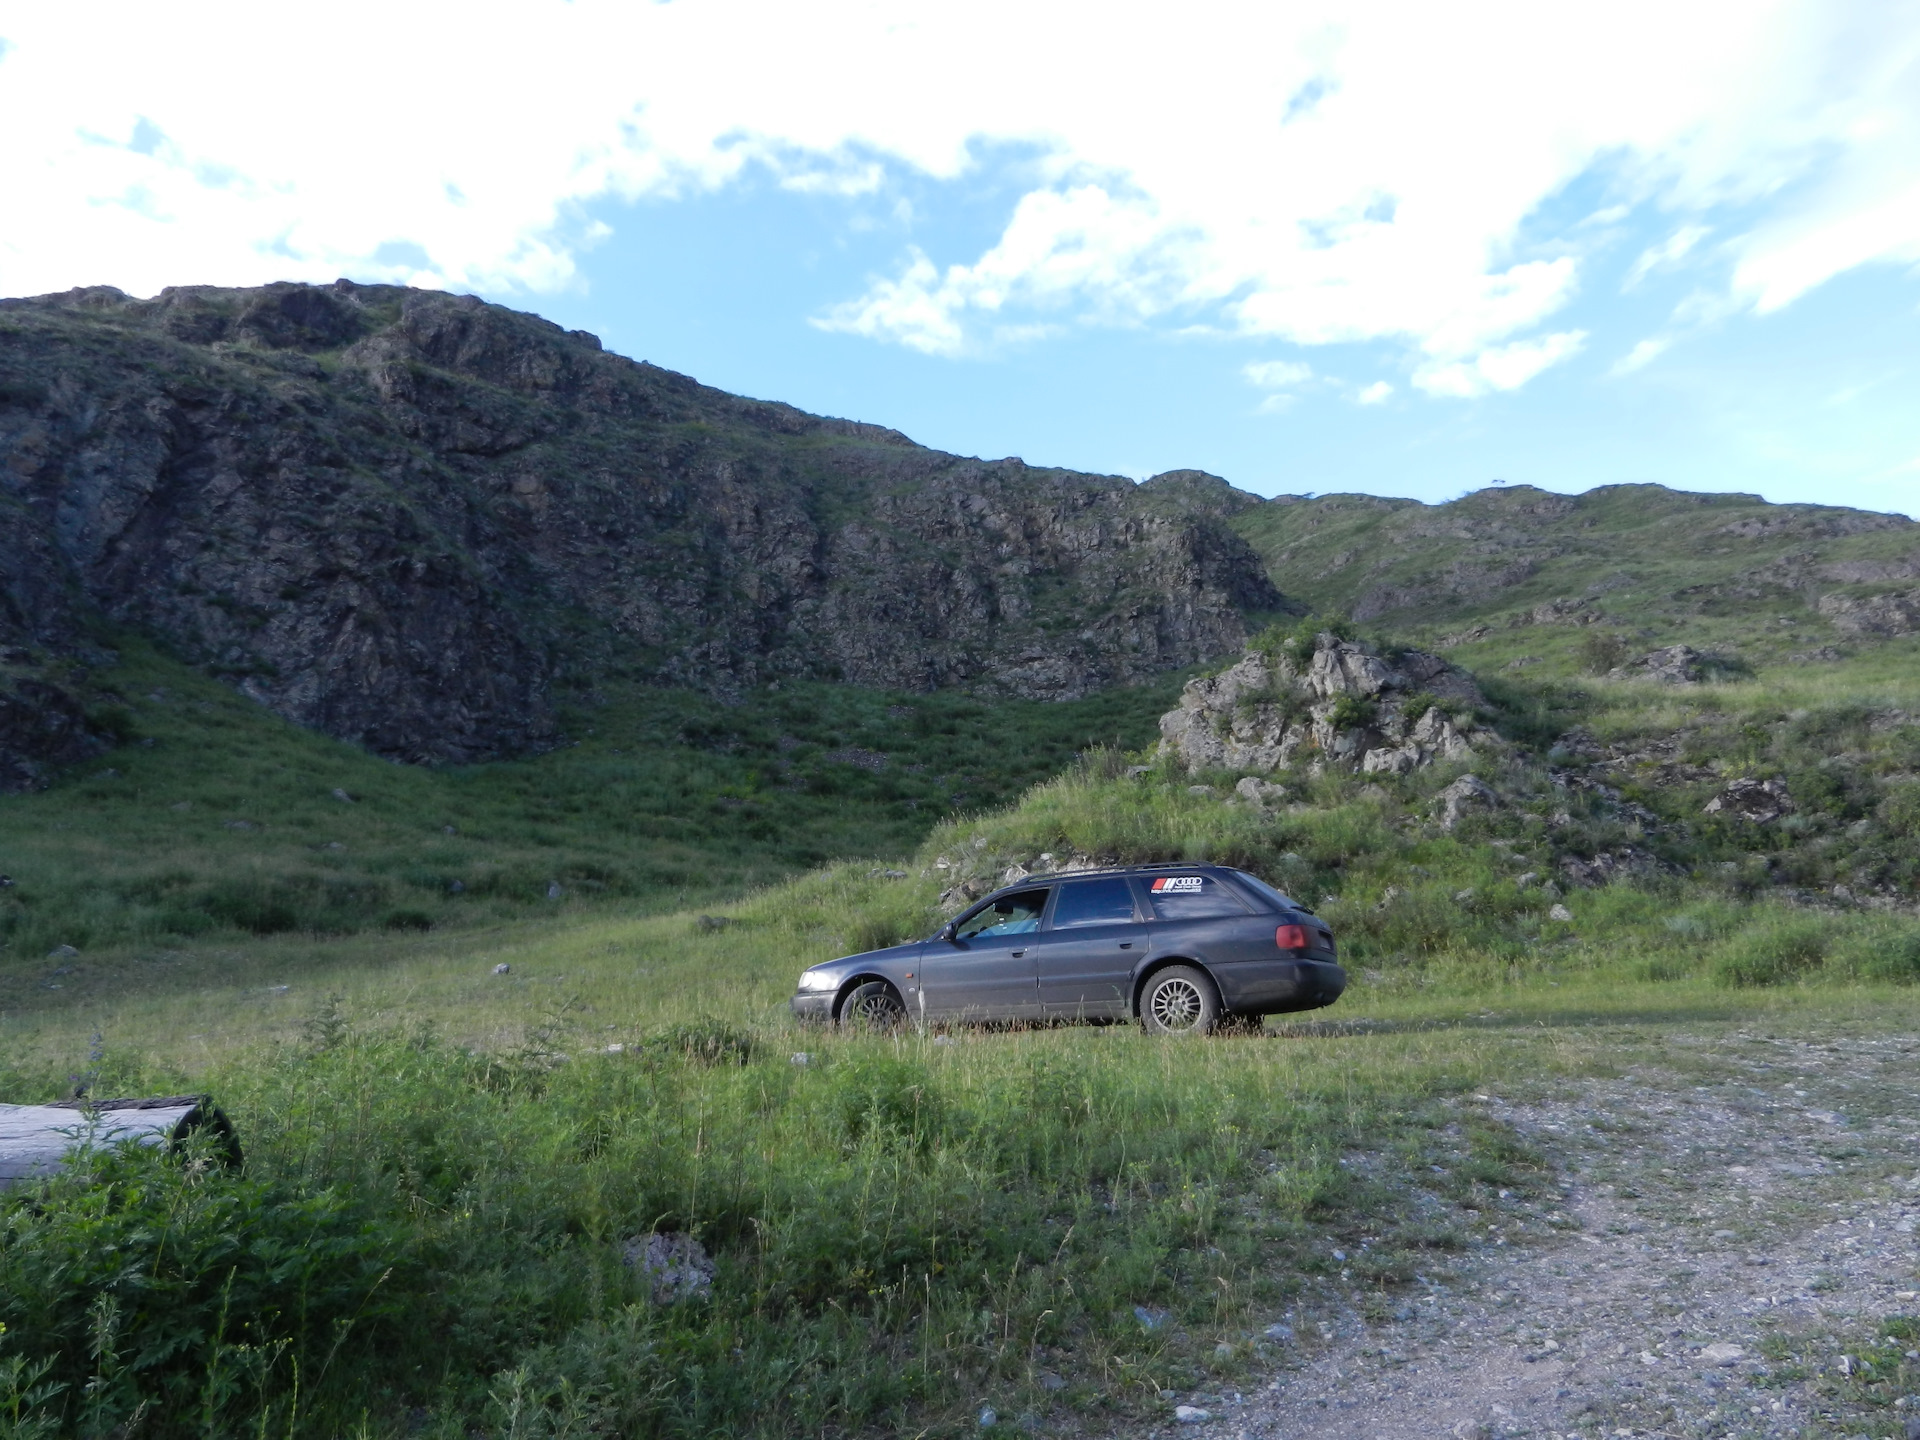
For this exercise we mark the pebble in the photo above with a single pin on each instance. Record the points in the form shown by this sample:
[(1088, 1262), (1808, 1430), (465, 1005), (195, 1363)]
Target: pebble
[(1560, 913), (989, 1417), (800, 1057), (1149, 1319), (1051, 1382), (1191, 1414), (1722, 1352), (502, 968), (342, 796), (62, 952), (1279, 1332), (554, 892)]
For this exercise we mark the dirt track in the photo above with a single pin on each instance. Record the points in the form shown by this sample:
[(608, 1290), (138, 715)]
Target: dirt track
[(1731, 1237)]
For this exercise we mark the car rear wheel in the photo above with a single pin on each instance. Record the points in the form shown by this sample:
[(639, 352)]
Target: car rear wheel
[(873, 1006), (1179, 1000)]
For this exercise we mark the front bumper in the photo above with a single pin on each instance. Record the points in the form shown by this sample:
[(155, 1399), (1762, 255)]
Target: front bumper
[(1275, 987), (813, 1005)]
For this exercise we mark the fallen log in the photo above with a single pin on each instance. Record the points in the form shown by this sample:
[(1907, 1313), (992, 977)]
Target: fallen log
[(37, 1140)]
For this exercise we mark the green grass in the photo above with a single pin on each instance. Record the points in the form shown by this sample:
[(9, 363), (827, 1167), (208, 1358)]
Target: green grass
[(446, 1164), (226, 824)]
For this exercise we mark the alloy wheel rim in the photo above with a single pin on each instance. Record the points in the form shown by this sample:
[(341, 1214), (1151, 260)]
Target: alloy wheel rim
[(878, 1010), (1176, 1005)]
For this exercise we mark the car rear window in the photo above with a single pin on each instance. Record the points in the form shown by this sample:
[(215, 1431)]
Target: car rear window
[(1191, 897), (1093, 902), (1261, 888)]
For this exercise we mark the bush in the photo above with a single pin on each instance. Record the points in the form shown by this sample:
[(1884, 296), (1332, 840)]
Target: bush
[(1599, 652), (142, 1286), (1773, 954)]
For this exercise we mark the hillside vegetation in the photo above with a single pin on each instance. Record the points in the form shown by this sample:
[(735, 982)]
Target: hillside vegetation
[(485, 1029)]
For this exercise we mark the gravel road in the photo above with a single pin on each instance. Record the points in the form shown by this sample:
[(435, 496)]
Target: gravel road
[(1731, 1240)]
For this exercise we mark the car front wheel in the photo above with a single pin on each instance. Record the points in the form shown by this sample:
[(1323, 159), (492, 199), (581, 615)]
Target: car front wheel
[(873, 1006), (1179, 1000)]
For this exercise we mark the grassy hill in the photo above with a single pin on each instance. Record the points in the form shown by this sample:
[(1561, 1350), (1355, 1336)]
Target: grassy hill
[(1729, 573), (448, 1166)]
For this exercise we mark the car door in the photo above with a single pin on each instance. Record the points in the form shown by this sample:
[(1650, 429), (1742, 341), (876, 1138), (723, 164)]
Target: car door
[(1093, 939), (986, 972)]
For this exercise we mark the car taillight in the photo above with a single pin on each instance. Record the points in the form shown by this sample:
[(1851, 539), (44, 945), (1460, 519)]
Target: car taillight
[(1291, 937)]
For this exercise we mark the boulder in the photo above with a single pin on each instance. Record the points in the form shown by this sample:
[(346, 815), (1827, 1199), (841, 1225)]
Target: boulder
[(1465, 796), (1760, 802), (1675, 665)]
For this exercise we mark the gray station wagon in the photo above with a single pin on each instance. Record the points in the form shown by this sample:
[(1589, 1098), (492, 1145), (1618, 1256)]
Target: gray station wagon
[(1177, 947)]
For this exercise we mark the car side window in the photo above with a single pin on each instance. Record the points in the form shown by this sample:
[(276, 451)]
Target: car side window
[(1191, 897), (1009, 915), (1093, 902)]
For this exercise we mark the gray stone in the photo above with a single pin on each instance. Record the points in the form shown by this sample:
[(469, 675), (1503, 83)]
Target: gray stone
[(988, 1417), (1759, 802), (1674, 665), (554, 892), (675, 1267), (63, 952), (1191, 1415), (800, 1057), (1560, 913), (1149, 1319), (1722, 1352), (1467, 795), (343, 797), (502, 968)]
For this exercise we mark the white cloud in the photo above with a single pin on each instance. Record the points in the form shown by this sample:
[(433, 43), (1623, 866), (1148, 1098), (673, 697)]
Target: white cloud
[(1643, 353), (1501, 367), (1311, 173), (1375, 394), (1669, 252), (1277, 374)]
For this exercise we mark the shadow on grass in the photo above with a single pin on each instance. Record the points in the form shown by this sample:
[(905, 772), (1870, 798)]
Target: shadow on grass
[(1575, 1017)]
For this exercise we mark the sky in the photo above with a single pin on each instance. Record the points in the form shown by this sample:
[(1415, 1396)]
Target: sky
[(1400, 248)]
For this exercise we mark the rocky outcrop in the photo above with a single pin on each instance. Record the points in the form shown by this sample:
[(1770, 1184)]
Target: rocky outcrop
[(1890, 615), (43, 725), (1347, 705), (1759, 802), (1674, 665), (407, 518)]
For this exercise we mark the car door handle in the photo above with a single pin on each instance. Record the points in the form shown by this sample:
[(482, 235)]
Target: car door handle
[(1018, 953), (1126, 944)]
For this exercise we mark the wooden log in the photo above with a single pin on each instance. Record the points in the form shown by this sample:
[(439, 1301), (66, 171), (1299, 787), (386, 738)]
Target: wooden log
[(37, 1140)]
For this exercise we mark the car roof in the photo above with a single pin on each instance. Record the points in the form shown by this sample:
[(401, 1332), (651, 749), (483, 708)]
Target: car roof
[(1049, 877)]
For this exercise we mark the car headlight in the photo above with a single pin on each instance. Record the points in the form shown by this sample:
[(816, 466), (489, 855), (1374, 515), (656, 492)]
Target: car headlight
[(816, 980)]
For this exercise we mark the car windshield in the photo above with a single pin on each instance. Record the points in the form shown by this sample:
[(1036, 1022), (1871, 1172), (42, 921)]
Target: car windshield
[(1009, 915)]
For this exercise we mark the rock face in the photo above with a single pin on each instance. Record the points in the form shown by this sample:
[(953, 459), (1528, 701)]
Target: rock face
[(405, 518), (1759, 802), (1675, 665), (1889, 615), (1346, 706)]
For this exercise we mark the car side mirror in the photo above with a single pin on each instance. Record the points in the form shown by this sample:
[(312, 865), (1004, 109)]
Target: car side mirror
[(949, 932)]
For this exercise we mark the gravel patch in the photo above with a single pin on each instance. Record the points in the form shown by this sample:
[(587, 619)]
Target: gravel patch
[(1729, 1240)]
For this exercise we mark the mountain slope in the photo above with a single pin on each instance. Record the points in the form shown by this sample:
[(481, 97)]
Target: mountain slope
[(407, 518), (1726, 569)]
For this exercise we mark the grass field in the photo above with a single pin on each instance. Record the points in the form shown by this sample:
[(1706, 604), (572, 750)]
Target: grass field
[(447, 1166)]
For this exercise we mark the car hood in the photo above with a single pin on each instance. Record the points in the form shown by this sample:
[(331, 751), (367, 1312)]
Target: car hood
[(849, 963)]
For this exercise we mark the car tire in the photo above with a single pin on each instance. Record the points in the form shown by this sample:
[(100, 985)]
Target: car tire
[(1179, 1000), (873, 1006)]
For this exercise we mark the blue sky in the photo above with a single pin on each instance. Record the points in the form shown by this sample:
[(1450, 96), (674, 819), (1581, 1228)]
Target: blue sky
[(1406, 249)]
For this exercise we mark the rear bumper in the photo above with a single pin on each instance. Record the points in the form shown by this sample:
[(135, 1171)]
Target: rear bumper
[(813, 1005), (1274, 987)]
